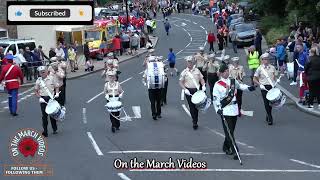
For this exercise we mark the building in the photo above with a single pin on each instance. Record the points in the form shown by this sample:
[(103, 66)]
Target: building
[(5, 30)]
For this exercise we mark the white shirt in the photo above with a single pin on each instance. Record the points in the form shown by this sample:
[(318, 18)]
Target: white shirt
[(59, 53), (219, 92)]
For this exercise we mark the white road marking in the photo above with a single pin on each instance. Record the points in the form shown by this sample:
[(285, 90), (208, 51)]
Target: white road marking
[(141, 72), (194, 23), (202, 27), (183, 24), (94, 144), (177, 152), (305, 163), (179, 51), (123, 176), (84, 115), (223, 136), (186, 109), (20, 94), (137, 111), (230, 170), (182, 95), (246, 113), (206, 32), (195, 30), (90, 100)]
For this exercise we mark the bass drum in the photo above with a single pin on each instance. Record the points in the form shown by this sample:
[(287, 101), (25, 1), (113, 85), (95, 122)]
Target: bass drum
[(155, 75), (290, 70), (276, 97)]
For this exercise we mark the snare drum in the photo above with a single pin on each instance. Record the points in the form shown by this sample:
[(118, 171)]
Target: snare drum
[(290, 70), (276, 97), (114, 106), (54, 110), (200, 100)]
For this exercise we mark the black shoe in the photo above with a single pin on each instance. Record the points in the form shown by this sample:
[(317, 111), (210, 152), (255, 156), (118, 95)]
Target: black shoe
[(159, 116), (14, 114), (154, 117), (267, 119), (45, 134), (55, 132), (113, 129), (270, 123), (161, 104), (228, 152), (235, 157), (195, 126)]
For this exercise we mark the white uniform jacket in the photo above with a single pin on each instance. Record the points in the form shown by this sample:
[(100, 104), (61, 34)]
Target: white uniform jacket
[(221, 90)]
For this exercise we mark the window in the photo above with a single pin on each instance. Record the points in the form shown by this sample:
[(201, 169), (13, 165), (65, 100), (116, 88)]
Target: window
[(3, 33), (12, 48)]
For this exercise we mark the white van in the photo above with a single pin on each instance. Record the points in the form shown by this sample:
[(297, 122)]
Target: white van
[(15, 44)]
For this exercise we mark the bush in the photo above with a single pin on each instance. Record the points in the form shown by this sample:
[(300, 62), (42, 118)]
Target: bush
[(268, 22), (276, 33)]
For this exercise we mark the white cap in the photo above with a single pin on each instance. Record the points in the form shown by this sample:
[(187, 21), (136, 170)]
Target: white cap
[(201, 48), (264, 56), (42, 68), (54, 59), (151, 58), (235, 59), (109, 61), (110, 54), (111, 73), (150, 50), (188, 58)]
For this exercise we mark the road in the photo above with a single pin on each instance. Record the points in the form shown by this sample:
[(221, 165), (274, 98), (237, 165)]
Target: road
[(85, 148)]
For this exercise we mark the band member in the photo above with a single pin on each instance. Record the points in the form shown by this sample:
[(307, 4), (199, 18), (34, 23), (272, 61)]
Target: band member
[(201, 59), (109, 66), (146, 59), (164, 90), (236, 72), (225, 104), (190, 80), (46, 88), (253, 61), (62, 67), (265, 76), (212, 67), (154, 90), (10, 76), (113, 89), (58, 75)]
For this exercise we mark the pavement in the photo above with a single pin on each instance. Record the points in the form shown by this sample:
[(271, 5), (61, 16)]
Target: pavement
[(85, 148)]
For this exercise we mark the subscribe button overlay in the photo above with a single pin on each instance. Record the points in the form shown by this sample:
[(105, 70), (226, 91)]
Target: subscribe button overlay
[(51, 13)]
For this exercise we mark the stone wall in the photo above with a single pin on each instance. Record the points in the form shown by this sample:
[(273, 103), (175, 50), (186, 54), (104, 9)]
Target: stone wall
[(12, 30)]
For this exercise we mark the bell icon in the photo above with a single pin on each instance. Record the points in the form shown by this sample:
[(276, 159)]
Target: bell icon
[(81, 12)]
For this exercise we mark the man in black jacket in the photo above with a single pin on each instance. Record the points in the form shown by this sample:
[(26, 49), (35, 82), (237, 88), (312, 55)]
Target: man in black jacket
[(257, 42), (312, 70)]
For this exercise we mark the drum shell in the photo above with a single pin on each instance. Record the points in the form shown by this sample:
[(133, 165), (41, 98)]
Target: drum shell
[(52, 107), (200, 100), (155, 75), (276, 97), (114, 106)]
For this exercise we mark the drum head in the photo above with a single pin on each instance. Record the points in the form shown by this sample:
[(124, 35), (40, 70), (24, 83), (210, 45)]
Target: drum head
[(198, 97), (52, 107), (273, 94)]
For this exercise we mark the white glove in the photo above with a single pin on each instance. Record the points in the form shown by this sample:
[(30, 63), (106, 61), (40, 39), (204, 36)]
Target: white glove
[(187, 92), (57, 95), (262, 87), (107, 97), (145, 84), (121, 95), (41, 100), (278, 80), (203, 87)]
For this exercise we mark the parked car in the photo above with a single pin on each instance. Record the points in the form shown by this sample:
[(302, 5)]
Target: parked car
[(246, 34), (235, 22), (15, 44)]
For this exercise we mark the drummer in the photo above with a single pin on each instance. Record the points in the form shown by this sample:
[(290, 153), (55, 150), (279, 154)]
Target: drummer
[(58, 75), (112, 89), (46, 88), (212, 67), (110, 65), (225, 104), (266, 82), (201, 59), (237, 72), (190, 79)]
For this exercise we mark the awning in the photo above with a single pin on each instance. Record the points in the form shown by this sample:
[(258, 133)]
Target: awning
[(69, 28)]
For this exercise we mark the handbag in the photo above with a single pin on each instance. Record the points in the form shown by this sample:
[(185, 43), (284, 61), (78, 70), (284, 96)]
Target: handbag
[(3, 83)]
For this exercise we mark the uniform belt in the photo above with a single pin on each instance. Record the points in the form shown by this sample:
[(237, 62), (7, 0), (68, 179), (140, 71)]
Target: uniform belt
[(11, 80)]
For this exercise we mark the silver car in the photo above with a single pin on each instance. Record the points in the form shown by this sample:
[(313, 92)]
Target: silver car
[(246, 34)]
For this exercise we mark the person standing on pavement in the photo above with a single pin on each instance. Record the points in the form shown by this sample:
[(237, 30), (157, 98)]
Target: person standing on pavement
[(134, 43), (225, 104), (312, 70), (46, 88), (253, 61), (154, 89), (236, 72), (201, 59), (72, 58), (281, 55), (211, 39), (233, 38), (59, 51), (116, 45), (167, 26), (258, 41), (265, 73), (300, 58), (43, 57), (11, 76), (212, 67), (113, 91), (172, 62), (190, 80)]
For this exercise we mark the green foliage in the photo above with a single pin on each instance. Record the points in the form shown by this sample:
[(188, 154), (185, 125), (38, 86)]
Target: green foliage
[(268, 22), (276, 32)]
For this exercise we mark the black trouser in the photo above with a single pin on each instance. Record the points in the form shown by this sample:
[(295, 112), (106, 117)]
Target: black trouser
[(314, 89), (295, 71), (258, 48), (226, 40), (212, 79), (45, 117), (29, 73), (252, 75), (62, 95), (266, 102), (192, 107), (211, 46), (113, 118), (231, 122), (164, 93), (220, 44), (239, 98), (204, 74), (155, 100)]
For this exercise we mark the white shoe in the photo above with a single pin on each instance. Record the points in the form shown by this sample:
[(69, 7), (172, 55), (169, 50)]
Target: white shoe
[(293, 83)]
